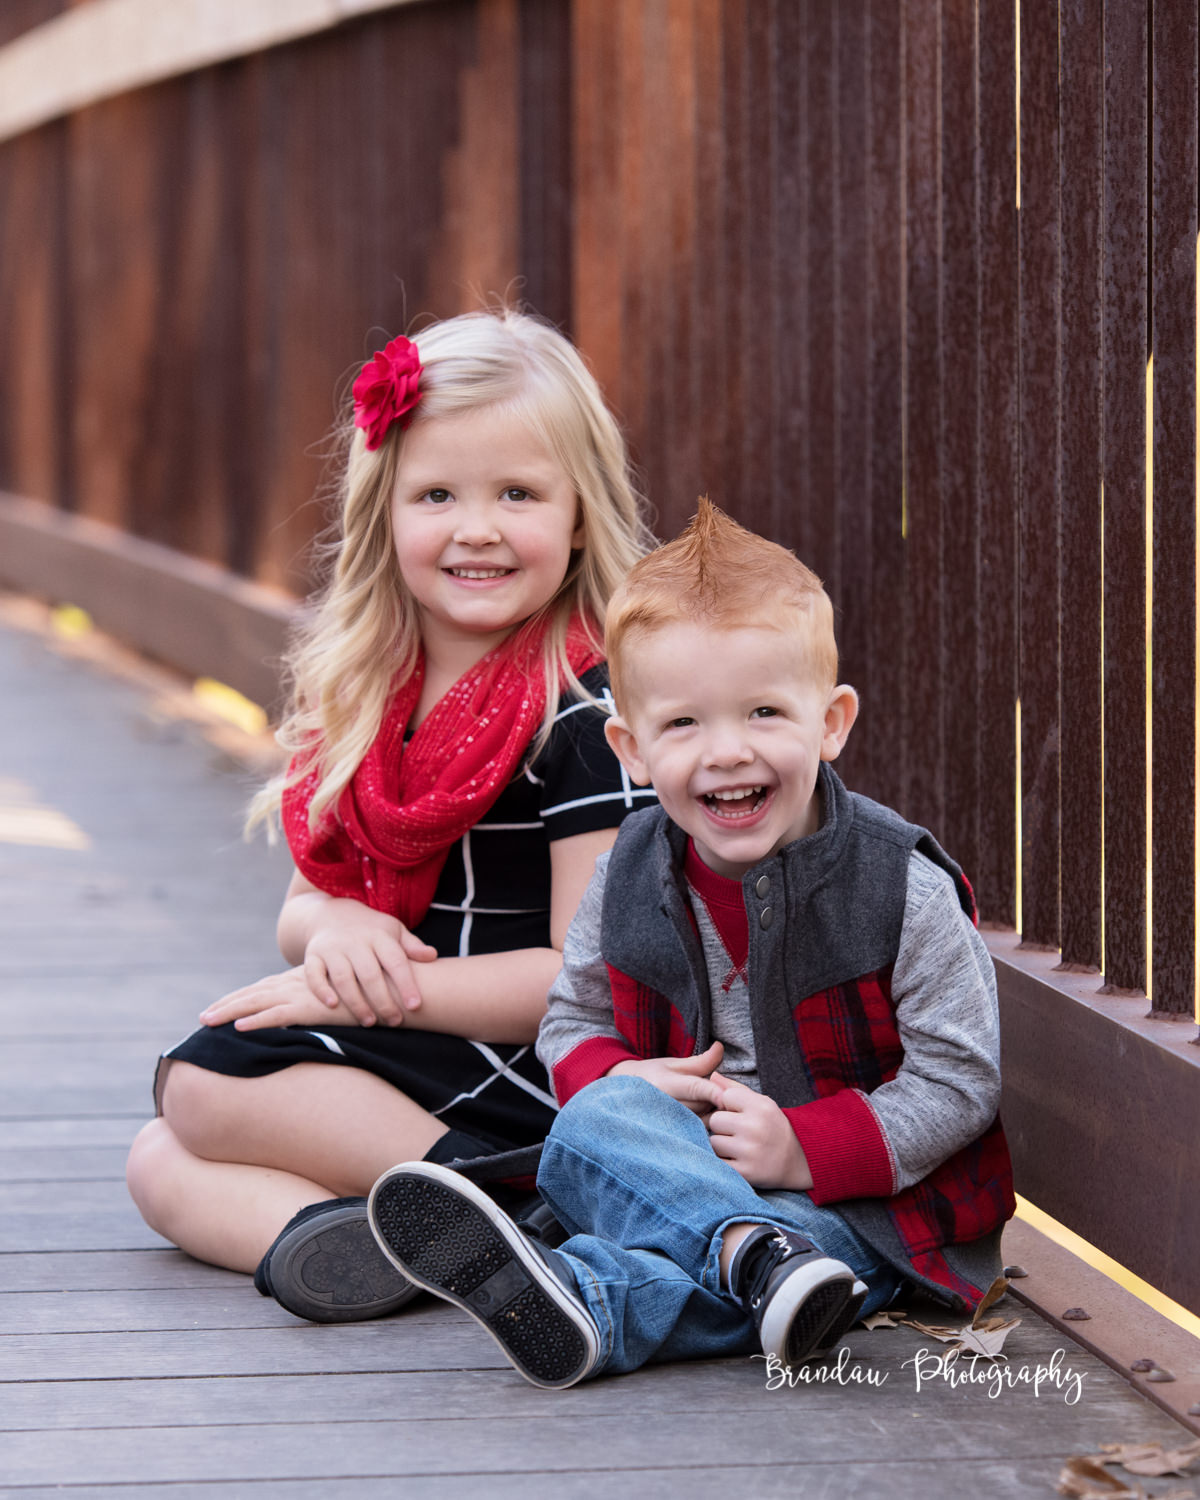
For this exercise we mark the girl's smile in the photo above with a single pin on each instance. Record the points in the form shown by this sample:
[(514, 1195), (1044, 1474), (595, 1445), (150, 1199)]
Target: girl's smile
[(484, 521)]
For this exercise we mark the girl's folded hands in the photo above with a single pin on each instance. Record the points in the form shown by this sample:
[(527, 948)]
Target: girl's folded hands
[(357, 970), (363, 961)]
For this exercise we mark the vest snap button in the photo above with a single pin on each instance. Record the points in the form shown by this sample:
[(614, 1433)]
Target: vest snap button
[(766, 917), (762, 885)]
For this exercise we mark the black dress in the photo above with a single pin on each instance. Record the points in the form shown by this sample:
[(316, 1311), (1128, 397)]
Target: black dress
[(493, 896)]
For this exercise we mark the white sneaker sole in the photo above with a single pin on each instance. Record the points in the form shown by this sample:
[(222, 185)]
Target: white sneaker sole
[(808, 1312), (446, 1235)]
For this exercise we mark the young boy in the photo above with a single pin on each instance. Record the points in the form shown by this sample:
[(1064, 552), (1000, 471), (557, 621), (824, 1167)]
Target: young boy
[(774, 1038)]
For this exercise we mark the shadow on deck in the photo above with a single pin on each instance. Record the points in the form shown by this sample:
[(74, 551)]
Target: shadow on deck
[(130, 901)]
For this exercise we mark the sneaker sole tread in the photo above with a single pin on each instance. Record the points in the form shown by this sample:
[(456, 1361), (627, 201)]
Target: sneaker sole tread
[(334, 1272), (807, 1311), (813, 1320), (445, 1241)]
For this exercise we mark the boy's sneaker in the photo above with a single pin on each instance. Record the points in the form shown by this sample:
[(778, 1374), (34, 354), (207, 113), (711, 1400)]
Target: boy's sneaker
[(845, 1321), (325, 1266), (446, 1235), (802, 1300)]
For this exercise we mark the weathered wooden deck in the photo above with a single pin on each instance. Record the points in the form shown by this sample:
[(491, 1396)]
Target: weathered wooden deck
[(127, 1368)]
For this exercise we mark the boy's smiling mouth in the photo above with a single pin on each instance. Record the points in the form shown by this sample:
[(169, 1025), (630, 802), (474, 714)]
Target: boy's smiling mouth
[(735, 803)]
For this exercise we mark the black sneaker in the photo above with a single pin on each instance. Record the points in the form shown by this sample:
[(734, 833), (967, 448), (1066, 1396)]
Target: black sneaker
[(325, 1266), (802, 1300), (446, 1235)]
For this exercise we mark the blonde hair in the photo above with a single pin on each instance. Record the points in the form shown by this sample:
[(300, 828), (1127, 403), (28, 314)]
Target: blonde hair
[(362, 640), (717, 572)]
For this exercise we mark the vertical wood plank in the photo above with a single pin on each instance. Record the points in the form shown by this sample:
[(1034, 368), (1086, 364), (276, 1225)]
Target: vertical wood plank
[(597, 223), (852, 511), (123, 226), (1082, 774), (261, 250), (960, 519), (923, 797), (649, 209), (1125, 352), (36, 390), (734, 87), (480, 229), (688, 394), (544, 151), (710, 289), (789, 307), (63, 315), (276, 376), (240, 471), (1039, 493), (1173, 641), (820, 549), (756, 232), (997, 468), (888, 748)]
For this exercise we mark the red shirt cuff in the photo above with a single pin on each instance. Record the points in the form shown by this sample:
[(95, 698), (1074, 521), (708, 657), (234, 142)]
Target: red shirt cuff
[(587, 1062), (844, 1147)]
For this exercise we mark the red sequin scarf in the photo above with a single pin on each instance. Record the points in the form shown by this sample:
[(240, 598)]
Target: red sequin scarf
[(406, 805)]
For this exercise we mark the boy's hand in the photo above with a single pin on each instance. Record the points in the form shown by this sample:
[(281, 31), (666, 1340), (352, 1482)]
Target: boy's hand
[(277, 1000), (687, 1079), (753, 1135), (362, 960)]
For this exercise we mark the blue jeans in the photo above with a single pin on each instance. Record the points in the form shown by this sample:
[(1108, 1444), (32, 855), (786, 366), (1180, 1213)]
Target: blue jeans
[(631, 1175)]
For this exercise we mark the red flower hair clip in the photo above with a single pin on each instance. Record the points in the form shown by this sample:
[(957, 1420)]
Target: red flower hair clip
[(387, 390)]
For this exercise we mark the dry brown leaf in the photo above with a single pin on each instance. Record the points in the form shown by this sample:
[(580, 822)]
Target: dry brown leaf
[(940, 1331), (1086, 1479), (985, 1340), (987, 1343), (993, 1294), (1122, 1453), (1151, 1459), (884, 1319)]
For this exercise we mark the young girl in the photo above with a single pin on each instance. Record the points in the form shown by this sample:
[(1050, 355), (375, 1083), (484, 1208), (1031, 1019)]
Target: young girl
[(449, 790)]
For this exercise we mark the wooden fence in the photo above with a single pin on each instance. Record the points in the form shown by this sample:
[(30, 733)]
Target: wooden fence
[(885, 279)]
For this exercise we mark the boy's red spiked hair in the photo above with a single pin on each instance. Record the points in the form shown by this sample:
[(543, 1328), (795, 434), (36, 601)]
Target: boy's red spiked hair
[(718, 573)]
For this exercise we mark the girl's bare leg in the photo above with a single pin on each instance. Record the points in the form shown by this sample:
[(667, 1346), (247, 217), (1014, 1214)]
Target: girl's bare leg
[(233, 1159), (338, 1126), (222, 1212)]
